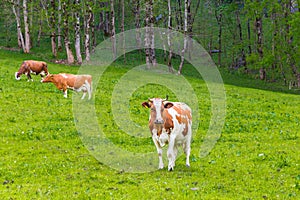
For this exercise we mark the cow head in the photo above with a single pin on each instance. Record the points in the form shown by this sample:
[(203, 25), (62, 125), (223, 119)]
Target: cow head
[(17, 76), (157, 106), (48, 78)]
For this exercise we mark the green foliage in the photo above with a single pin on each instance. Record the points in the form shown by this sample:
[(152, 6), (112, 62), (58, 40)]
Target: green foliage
[(42, 156)]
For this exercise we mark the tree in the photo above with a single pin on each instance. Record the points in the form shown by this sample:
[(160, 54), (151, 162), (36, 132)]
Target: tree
[(77, 31), (16, 11), (113, 29), (66, 14), (169, 37), (187, 4), (52, 27), (137, 16), (26, 27), (149, 35)]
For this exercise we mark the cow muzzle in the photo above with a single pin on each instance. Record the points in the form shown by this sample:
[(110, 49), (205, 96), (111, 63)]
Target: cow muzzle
[(159, 121), (17, 76)]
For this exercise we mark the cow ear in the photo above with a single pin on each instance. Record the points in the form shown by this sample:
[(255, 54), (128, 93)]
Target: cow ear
[(146, 104), (168, 105)]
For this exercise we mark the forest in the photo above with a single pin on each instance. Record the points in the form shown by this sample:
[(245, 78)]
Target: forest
[(256, 37)]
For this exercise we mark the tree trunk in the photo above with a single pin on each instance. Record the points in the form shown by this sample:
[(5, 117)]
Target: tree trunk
[(149, 35), (59, 43), (52, 27), (259, 32), (26, 27), (94, 39), (39, 32), (137, 14), (106, 29), (70, 56), (242, 60), (18, 20), (88, 19), (219, 17), (249, 36), (123, 29), (180, 25), (169, 62), (113, 29), (77, 32), (186, 5)]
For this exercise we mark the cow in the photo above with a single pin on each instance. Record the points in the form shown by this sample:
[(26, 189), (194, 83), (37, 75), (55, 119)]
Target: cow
[(70, 81), (32, 67), (170, 123)]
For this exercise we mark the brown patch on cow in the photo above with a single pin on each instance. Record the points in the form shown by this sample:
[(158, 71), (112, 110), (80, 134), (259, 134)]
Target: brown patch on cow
[(183, 117), (168, 122)]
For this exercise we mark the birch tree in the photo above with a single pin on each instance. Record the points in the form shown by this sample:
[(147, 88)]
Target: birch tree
[(137, 21), (77, 31), (26, 27), (70, 56), (52, 27), (88, 19), (169, 37), (16, 11), (149, 35), (113, 29), (186, 5), (59, 38), (123, 29)]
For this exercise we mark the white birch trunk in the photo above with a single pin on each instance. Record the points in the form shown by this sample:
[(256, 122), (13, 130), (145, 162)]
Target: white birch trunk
[(59, 43), (87, 32), (113, 29), (123, 29), (52, 27), (147, 39), (137, 13), (186, 4), (26, 26), (77, 34), (171, 69), (19, 30), (70, 56)]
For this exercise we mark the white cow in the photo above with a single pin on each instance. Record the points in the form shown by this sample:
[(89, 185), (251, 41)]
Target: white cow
[(170, 122)]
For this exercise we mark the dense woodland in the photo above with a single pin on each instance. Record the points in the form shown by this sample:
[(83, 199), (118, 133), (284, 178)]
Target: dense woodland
[(257, 37)]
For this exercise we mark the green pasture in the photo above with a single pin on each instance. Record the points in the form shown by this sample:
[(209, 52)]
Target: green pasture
[(42, 155)]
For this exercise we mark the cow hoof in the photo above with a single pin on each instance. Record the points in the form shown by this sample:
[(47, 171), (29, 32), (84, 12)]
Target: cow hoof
[(170, 169), (187, 165)]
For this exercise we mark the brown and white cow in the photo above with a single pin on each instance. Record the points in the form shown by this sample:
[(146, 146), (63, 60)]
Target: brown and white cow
[(70, 81), (32, 67), (170, 122)]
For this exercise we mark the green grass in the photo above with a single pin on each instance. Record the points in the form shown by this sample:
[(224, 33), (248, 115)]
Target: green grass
[(43, 157)]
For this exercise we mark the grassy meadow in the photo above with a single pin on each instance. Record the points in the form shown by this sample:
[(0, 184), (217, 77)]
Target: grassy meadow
[(43, 157)]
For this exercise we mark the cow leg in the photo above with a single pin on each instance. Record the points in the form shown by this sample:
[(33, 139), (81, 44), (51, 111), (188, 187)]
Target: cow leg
[(187, 150), (66, 93), (89, 90), (84, 93), (171, 153), (29, 77), (158, 148)]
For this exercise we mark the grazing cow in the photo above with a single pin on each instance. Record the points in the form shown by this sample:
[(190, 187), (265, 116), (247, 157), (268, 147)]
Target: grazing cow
[(32, 67), (170, 122), (70, 81)]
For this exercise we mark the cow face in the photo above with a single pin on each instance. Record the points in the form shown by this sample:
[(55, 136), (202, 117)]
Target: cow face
[(157, 107), (48, 78)]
